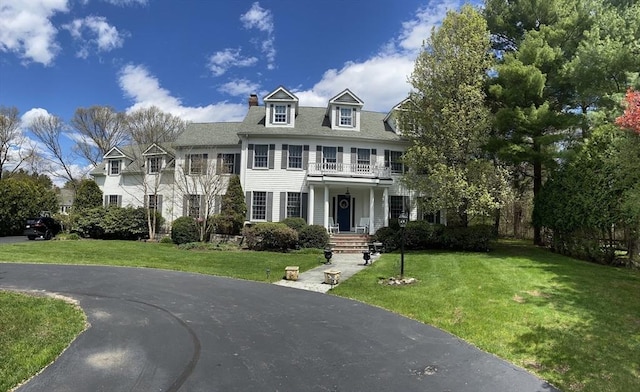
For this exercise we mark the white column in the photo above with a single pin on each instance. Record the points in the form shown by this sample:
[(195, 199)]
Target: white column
[(372, 218), (310, 206), (326, 206), (385, 201)]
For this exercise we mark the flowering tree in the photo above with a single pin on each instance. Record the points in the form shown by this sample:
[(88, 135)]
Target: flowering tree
[(631, 117)]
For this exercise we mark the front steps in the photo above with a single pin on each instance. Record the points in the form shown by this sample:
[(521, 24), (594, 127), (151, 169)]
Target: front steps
[(349, 242)]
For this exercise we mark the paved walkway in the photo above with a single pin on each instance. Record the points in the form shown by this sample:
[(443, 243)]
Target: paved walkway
[(313, 279)]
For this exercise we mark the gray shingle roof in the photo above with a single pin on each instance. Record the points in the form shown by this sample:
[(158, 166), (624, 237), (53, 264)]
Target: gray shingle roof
[(209, 134), (314, 122)]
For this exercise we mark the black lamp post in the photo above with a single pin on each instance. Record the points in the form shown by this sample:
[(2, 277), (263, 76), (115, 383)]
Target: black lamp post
[(402, 221)]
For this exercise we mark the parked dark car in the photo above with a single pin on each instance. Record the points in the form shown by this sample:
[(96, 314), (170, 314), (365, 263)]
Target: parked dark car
[(44, 227)]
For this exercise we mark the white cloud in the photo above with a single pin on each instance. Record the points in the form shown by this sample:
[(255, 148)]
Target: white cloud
[(29, 116), (262, 19), (382, 80), (100, 34), (145, 90), (26, 28), (221, 61), (123, 3), (239, 87)]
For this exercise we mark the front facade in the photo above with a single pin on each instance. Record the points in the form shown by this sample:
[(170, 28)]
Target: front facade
[(337, 166)]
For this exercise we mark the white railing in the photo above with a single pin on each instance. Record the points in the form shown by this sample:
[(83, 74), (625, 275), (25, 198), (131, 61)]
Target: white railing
[(349, 169)]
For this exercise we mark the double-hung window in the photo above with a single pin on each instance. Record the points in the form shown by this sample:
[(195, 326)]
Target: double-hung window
[(346, 117), (295, 157), (330, 158), (293, 205), (113, 200), (197, 164), (395, 162), (398, 204), (261, 155), (152, 202), (193, 206), (363, 160), (259, 206), (227, 163), (153, 165), (114, 167), (279, 114)]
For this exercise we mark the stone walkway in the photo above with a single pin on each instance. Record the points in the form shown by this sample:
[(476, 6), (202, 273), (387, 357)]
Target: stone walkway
[(313, 280)]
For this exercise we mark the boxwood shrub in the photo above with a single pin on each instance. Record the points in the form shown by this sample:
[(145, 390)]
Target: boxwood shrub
[(421, 235), (313, 236), (275, 236), (184, 230)]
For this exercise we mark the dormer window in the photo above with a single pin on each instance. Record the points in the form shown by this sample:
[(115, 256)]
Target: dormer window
[(153, 165), (114, 167), (279, 114), (346, 117)]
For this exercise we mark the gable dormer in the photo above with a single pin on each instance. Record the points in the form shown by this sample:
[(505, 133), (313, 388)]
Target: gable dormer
[(344, 111), (156, 159), (393, 117), (115, 161), (281, 108)]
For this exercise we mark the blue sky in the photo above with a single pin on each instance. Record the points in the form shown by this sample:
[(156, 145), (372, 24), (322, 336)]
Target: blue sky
[(201, 59)]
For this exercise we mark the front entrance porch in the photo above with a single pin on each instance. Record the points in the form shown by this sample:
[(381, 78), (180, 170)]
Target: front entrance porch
[(350, 243)]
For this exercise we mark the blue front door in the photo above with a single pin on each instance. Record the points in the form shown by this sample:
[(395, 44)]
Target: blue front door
[(344, 212)]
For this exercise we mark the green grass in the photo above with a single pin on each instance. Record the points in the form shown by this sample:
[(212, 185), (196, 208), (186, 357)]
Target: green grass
[(573, 323), (236, 264), (33, 332)]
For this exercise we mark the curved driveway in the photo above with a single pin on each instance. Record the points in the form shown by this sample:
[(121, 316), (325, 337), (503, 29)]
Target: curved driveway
[(154, 330)]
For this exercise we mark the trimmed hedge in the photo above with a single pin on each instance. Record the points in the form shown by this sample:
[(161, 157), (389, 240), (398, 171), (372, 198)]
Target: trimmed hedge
[(184, 230), (121, 223), (420, 235), (275, 236), (295, 223), (313, 236)]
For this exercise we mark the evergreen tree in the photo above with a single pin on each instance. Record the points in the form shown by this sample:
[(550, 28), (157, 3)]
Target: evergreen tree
[(88, 196), (233, 210)]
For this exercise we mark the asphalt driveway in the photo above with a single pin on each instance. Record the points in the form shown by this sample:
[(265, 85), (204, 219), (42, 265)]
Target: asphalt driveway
[(154, 330)]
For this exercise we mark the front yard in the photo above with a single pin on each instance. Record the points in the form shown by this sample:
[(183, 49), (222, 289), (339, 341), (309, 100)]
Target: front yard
[(573, 323)]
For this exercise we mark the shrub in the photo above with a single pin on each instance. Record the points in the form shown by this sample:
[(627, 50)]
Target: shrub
[(313, 236), (422, 235), (295, 223), (233, 210), (166, 240), (473, 238), (126, 223), (89, 223), (270, 236), (184, 230)]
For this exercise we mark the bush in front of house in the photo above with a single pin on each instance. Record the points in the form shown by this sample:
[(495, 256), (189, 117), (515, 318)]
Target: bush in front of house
[(270, 236), (184, 230), (295, 223), (89, 222), (313, 236), (475, 238), (421, 235)]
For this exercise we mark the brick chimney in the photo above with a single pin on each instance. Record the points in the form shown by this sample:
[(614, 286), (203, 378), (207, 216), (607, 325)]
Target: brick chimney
[(253, 100)]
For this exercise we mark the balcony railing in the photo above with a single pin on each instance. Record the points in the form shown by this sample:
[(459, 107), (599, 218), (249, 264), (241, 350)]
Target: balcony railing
[(348, 170)]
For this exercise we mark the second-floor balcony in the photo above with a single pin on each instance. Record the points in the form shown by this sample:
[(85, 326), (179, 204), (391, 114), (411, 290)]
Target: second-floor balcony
[(348, 170)]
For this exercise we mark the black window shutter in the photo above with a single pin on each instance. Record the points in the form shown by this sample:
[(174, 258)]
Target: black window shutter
[(354, 159), (305, 157), (119, 200), (247, 200), (304, 205), (373, 156), (159, 203), (318, 154), (285, 149), (340, 153), (386, 158), (272, 150), (283, 205), (269, 206), (187, 164), (250, 157), (185, 205), (205, 163), (236, 164), (219, 164), (106, 200)]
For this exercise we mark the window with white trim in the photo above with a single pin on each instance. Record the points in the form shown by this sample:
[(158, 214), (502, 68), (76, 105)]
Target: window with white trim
[(295, 157), (112, 201), (363, 160), (152, 202), (197, 164), (395, 162), (194, 205), (154, 165), (293, 204), (259, 206), (398, 204), (227, 163), (261, 155), (279, 114), (114, 167), (346, 117)]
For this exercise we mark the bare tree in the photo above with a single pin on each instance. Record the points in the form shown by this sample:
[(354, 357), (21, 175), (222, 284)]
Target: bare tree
[(48, 130), (152, 125), (101, 128), (14, 150), (201, 183)]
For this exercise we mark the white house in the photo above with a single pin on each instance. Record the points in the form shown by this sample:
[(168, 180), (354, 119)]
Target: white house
[(337, 164)]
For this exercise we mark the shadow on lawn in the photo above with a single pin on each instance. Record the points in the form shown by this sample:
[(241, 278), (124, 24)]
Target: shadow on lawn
[(593, 344)]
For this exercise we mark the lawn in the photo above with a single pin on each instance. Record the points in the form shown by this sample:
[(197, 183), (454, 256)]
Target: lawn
[(33, 332), (237, 264), (573, 323)]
